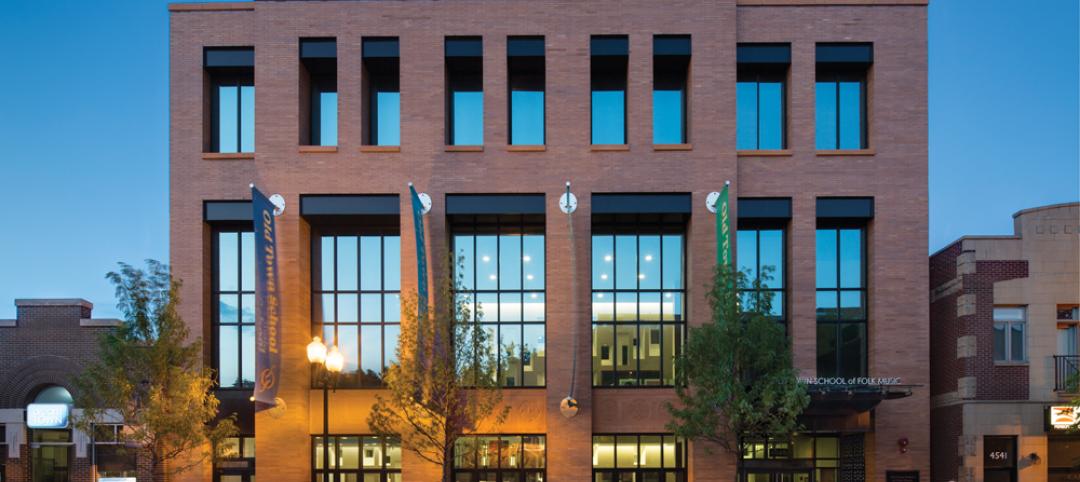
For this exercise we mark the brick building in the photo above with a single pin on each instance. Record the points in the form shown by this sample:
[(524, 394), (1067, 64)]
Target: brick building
[(43, 348), (1004, 351), (814, 110)]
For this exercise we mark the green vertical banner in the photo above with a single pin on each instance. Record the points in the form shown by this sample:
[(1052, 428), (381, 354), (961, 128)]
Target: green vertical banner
[(723, 228)]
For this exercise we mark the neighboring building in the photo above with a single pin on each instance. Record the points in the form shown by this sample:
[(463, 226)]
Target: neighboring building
[(1004, 341), (49, 343), (815, 110)]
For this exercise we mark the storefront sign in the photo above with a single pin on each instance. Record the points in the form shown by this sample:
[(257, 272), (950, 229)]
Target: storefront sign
[(47, 415), (878, 381), (1063, 417), (901, 476)]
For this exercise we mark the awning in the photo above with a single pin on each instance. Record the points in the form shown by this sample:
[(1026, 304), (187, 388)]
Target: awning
[(851, 399)]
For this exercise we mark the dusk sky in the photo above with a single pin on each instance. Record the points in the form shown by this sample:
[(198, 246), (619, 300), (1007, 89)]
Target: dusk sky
[(84, 130)]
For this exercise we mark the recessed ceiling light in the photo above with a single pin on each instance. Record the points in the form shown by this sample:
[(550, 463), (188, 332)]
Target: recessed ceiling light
[(648, 257), (603, 275), (529, 277), (641, 276), (492, 277), (526, 258), (486, 258), (607, 258)]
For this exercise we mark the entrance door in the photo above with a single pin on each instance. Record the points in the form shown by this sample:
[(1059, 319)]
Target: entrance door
[(780, 476), (236, 478), (50, 456)]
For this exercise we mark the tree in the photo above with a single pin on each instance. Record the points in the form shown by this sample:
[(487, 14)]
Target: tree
[(735, 378), (150, 377), (444, 383)]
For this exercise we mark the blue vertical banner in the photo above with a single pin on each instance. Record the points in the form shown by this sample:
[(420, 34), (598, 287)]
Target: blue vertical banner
[(421, 253), (267, 303)]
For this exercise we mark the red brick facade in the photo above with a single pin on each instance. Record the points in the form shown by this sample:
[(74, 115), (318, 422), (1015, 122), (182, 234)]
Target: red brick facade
[(893, 172)]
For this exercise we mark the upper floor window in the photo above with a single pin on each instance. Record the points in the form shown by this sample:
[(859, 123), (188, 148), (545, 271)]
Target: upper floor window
[(234, 308), (671, 69), (609, 60), (381, 82), (357, 458), (465, 91), (638, 294), (232, 98), (621, 458), (761, 257), (760, 96), (517, 458), (841, 301), (525, 62), (1009, 328), (357, 300), (842, 71), (500, 276), (318, 80)]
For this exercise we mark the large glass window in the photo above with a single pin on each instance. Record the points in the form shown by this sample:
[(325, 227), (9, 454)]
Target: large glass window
[(357, 300), (671, 69), (1009, 329), (465, 91), (634, 458), (111, 457), (357, 458), (318, 61), (841, 95), (760, 109), (610, 57), (525, 62), (822, 450), (638, 296), (234, 308), (233, 115), (500, 458), (500, 277), (381, 80), (761, 256), (841, 302)]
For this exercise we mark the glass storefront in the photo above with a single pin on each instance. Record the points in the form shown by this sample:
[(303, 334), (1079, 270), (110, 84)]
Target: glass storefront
[(803, 458), (237, 463), (1063, 459)]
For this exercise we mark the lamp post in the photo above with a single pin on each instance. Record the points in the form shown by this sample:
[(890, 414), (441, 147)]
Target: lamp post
[(328, 363)]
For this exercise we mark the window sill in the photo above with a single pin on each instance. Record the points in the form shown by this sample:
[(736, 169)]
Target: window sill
[(527, 148), (314, 149), (465, 148), (764, 153), (847, 152), (999, 363), (227, 156), (673, 147), (609, 147), (380, 148)]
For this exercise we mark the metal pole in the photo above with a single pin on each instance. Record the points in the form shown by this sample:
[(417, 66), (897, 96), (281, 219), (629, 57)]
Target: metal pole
[(326, 426)]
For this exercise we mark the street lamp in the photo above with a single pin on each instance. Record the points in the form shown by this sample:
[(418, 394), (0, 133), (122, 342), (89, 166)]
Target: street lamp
[(328, 364)]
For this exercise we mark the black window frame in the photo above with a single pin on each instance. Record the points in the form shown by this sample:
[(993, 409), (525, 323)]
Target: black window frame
[(526, 71), (609, 71), (768, 225), (464, 72), (337, 473), (359, 380), (682, 449), (668, 70), (497, 226), (834, 74), (231, 79), (772, 73), (839, 322), (520, 472), (639, 225), (217, 230), (381, 73)]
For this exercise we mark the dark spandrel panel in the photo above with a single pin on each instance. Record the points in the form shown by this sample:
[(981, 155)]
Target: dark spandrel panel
[(641, 203), (666, 45), (525, 46), (856, 53), (344, 205), (319, 48), (495, 204), (380, 47), (464, 47), (234, 57), (218, 211), (614, 45), (850, 208), (763, 54), (778, 208)]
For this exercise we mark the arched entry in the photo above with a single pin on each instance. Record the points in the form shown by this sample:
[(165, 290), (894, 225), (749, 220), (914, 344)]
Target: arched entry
[(50, 434)]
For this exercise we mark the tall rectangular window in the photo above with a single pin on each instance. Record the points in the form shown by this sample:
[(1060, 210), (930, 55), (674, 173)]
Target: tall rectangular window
[(357, 301), (111, 458), (841, 104), (381, 82), (671, 69), (234, 308), (638, 312), (609, 60), (761, 256), (760, 96), (465, 91), (841, 301), (632, 457), (500, 275), (318, 61), (525, 61), (517, 458), (231, 73), (1010, 324), (357, 458)]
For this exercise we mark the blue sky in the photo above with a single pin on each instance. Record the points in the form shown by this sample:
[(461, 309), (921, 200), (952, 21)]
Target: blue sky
[(84, 130)]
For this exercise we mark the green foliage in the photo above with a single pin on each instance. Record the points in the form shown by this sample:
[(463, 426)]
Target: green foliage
[(444, 383), (735, 377), (151, 378)]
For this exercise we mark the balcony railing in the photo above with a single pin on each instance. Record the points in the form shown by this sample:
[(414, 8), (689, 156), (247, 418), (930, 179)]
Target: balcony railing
[(1066, 373)]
